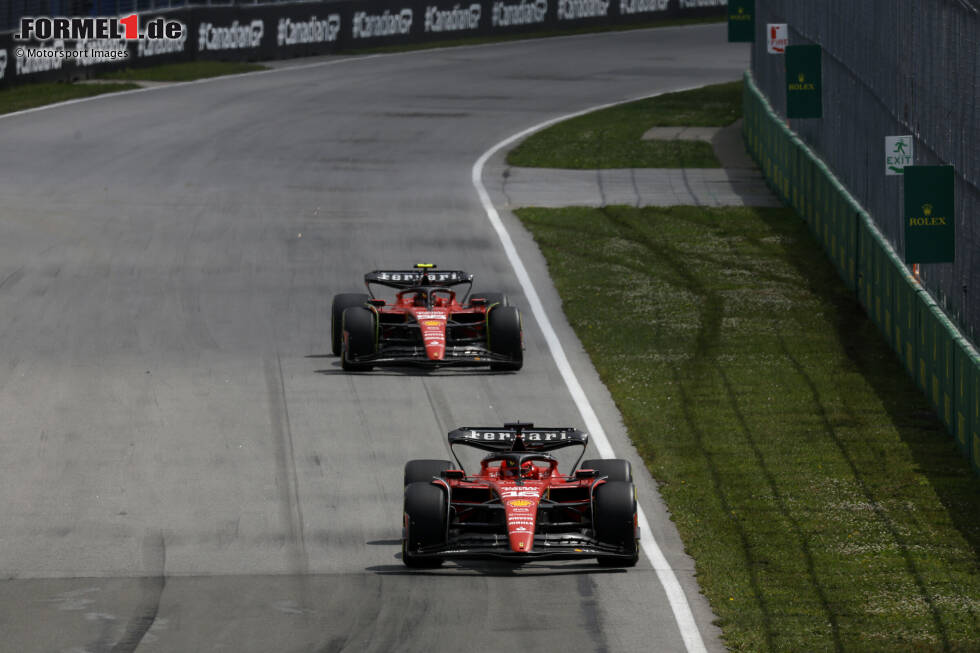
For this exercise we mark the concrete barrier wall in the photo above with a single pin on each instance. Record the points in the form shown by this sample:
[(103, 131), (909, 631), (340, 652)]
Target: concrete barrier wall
[(278, 31), (944, 365)]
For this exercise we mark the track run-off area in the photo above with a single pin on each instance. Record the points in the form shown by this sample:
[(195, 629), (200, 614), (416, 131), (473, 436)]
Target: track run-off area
[(185, 467)]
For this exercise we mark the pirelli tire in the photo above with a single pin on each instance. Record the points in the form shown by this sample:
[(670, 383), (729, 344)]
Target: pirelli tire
[(360, 326), (341, 303), (614, 522), (424, 470), (614, 469), (426, 512), (491, 298), (505, 337)]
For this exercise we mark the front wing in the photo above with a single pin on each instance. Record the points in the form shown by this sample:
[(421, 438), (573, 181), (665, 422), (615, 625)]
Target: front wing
[(557, 546), (415, 355)]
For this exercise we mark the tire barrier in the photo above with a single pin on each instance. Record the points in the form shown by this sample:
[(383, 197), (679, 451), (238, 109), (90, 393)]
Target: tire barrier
[(943, 364), (257, 32)]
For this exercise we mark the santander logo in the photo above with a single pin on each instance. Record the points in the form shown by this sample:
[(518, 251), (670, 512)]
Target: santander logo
[(433, 325)]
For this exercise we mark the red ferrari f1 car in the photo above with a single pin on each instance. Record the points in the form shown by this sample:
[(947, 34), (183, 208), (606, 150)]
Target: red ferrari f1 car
[(518, 506), (426, 324)]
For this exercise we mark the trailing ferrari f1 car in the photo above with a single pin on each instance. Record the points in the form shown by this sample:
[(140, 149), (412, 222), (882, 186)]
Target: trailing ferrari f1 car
[(426, 324), (518, 506)]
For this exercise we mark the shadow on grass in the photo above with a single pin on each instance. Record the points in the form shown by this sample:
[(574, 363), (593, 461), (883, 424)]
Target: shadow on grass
[(930, 446)]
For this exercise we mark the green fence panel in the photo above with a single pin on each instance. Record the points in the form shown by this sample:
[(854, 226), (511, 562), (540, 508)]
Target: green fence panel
[(806, 196), (849, 233), (819, 214), (841, 218), (923, 349), (830, 240), (944, 368), (795, 175), (824, 192), (965, 401), (975, 422), (865, 259), (863, 256), (785, 163), (880, 298), (889, 278), (905, 302), (813, 195), (935, 373)]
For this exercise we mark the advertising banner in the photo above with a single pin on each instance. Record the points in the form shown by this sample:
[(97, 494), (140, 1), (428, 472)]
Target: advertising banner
[(803, 82), (929, 214), (741, 21), (276, 31)]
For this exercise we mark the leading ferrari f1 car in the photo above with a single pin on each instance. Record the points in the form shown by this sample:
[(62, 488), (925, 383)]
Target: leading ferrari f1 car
[(518, 506), (426, 324)]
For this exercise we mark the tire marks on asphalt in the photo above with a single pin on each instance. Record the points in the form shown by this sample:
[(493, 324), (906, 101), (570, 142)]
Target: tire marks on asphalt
[(290, 509), (154, 551)]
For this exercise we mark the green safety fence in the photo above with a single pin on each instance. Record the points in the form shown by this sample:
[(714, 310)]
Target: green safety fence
[(944, 365)]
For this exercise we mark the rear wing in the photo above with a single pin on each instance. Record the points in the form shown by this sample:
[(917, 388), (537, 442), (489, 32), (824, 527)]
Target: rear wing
[(419, 277), (517, 437)]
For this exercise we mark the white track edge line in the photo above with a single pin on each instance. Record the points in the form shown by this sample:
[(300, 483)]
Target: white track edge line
[(672, 588)]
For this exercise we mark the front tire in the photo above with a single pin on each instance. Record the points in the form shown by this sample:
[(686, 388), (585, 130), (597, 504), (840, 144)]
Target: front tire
[(360, 337), (505, 337), (614, 515), (425, 522), (341, 303)]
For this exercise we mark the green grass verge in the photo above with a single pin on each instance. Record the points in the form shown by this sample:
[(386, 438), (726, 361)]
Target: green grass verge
[(610, 138), (184, 72), (28, 96), (825, 506), (480, 40)]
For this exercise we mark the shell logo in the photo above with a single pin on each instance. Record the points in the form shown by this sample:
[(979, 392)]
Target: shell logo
[(519, 503), (432, 322)]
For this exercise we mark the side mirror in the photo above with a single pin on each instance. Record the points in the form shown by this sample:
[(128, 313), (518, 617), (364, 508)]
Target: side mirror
[(379, 303), (453, 474), (585, 473), (478, 301)]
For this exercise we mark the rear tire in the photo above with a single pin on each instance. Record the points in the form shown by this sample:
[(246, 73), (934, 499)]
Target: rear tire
[(505, 337), (425, 522), (360, 337), (616, 469), (423, 471), (614, 511), (340, 304)]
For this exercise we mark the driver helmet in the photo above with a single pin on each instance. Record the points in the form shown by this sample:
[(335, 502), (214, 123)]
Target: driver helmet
[(529, 470), (510, 469)]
